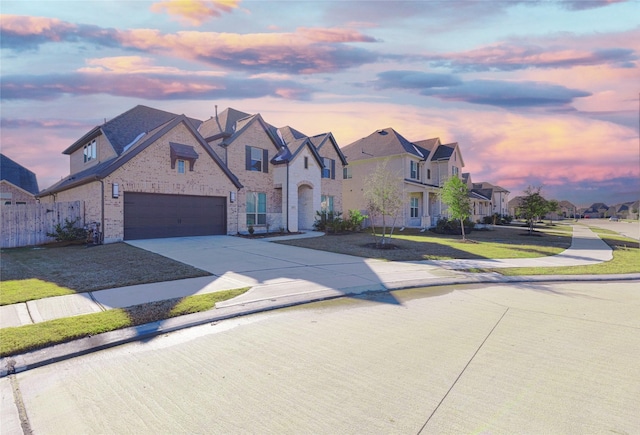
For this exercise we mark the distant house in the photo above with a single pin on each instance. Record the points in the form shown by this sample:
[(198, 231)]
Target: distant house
[(597, 210), (18, 184), (422, 168), (566, 209), (498, 197), (149, 173), (626, 210)]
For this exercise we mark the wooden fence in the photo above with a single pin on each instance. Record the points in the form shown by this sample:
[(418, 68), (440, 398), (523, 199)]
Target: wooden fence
[(28, 224)]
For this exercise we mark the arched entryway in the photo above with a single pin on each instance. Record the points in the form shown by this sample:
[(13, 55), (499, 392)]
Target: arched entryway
[(306, 212)]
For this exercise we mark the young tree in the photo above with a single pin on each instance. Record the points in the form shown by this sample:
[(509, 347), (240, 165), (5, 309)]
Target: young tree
[(383, 195), (455, 194), (533, 206), (552, 207)]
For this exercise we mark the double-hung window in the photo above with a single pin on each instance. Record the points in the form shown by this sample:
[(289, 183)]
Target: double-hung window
[(329, 170), (414, 207), (415, 170), (454, 170), (346, 173), (256, 159), (256, 208), (90, 151), (180, 166)]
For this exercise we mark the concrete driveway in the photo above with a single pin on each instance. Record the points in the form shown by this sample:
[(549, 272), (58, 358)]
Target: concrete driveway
[(277, 271)]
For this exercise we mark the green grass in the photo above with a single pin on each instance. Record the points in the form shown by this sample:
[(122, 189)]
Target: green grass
[(626, 259), (484, 249), (23, 290), (26, 338)]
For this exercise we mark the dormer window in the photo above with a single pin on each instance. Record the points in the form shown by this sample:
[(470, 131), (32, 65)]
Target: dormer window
[(90, 151)]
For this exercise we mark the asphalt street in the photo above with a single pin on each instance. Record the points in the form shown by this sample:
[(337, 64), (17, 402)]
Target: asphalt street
[(492, 358)]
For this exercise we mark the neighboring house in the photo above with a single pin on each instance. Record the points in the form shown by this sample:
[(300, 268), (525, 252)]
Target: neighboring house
[(498, 198), (566, 209), (626, 210), (18, 184), (514, 205), (597, 210), (422, 167), (480, 201), (149, 173)]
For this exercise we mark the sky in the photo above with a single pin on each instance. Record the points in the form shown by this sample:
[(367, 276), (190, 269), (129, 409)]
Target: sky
[(536, 93)]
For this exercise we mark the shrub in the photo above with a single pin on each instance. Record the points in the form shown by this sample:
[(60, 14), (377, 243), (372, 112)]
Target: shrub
[(452, 226), (356, 218), (326, 221), (68, 232)]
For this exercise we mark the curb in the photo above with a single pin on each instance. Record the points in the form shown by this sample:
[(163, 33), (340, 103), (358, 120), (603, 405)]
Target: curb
[(22, 362)]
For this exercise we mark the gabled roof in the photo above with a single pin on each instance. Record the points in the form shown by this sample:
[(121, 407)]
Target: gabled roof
[(103, 169), (286, 155), (475, 194), (597, 206), (566, 204), (289, 134), (381, 143), (222, 125), (444, 152), (126, 127), (321, 140), (243, 124), (485, 185), (427, 146), (18, 175)]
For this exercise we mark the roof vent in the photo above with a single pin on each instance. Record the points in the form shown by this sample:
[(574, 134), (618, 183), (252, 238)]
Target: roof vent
[(382, 132)]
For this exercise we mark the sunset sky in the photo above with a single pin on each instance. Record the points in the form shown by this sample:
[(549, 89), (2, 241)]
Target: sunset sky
[(535, 92)]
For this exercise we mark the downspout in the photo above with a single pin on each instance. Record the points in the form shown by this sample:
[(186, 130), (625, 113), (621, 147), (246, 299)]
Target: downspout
[(102, 210), (286, 215)]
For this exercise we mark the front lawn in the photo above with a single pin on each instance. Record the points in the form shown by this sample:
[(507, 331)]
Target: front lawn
[(413, 245), (38, 272)]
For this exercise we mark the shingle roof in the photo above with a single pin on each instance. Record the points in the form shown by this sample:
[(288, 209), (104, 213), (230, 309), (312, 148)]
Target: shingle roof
[(444, 152), (126, 127), (224, 123), (103, 169), (381, 143), (18, 175)]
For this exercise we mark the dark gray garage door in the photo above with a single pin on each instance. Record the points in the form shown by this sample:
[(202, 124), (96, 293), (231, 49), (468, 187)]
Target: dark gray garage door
[(152, 215)]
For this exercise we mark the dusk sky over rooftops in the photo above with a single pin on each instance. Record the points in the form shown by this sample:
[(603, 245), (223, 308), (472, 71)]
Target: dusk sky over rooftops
[(535, 92)]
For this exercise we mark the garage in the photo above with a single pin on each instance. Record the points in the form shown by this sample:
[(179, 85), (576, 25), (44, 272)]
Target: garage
[(152, 215)]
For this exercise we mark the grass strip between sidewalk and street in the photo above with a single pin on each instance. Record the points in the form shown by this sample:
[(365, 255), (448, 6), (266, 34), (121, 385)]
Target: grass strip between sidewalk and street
[(16, 340)]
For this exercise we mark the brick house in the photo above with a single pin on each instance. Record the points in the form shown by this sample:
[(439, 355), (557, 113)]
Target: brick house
[(149, 173), (287, 176), (18, 184)]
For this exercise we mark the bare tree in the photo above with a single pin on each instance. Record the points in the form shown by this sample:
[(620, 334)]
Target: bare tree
[(383, 195)]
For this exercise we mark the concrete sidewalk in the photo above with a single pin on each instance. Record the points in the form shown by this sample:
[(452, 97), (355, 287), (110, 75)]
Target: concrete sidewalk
[(279, 273)]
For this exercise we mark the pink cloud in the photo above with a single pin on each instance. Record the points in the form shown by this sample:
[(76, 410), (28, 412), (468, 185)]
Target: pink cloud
[(563, 50), (51, 28), (195, 12)]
